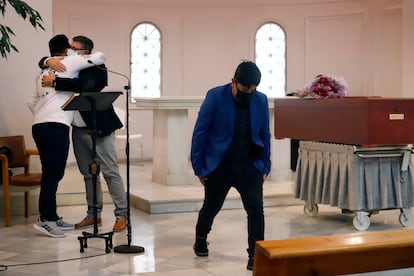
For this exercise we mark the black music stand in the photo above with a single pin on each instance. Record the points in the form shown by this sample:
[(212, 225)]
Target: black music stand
[(93, 101)]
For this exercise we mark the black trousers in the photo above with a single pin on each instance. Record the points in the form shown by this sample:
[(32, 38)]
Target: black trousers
[(248, 181), (52, 141)]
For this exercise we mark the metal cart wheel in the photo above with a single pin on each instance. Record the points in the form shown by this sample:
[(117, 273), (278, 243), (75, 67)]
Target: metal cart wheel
[(406, 217), (361, 221), (311, 209)]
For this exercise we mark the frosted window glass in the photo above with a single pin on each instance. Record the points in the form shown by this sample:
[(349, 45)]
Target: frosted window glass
[(146, 61), (271, 59)]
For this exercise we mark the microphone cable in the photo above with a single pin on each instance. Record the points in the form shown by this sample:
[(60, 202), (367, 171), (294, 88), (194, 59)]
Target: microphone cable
[(5, 267)]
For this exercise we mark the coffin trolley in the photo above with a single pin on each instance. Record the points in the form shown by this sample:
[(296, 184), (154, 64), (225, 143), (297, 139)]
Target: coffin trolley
[(356, 179)]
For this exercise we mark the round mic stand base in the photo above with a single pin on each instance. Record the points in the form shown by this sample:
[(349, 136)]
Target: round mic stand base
[(128, 249)]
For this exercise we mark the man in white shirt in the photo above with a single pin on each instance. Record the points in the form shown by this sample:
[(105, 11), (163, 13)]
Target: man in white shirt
[(50, 132), (93, 80)]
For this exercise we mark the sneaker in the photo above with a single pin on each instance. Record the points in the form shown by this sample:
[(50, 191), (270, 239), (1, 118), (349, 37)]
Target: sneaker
[(200, 247), (64, 226), (120, 223), (87, 222), (49, 228), (250, 263)]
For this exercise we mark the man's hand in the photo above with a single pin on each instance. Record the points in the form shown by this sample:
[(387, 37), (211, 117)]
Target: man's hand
[(47, 80), (55, 64), (202, 180)]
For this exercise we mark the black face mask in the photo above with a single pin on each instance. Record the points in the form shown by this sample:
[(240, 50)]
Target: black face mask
[(244, 97)]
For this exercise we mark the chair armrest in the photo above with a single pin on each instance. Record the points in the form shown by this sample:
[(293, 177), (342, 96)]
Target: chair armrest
[(4, 161), (4, 168), (32, 152)]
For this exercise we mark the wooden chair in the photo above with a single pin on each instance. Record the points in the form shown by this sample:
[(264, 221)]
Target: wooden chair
[(21, 179)]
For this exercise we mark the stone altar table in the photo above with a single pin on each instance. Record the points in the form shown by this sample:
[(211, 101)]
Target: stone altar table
[(171, 142)]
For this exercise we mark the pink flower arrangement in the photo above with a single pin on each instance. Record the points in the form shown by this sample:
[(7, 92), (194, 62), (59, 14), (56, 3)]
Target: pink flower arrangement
[(324, 86)]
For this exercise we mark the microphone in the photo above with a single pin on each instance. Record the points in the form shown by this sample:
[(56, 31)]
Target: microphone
[(126, 87)]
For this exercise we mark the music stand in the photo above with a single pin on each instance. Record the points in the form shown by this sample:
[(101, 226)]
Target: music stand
[(93, 101)]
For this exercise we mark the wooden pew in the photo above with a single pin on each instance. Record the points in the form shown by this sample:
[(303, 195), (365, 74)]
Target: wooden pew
[(337, 254)]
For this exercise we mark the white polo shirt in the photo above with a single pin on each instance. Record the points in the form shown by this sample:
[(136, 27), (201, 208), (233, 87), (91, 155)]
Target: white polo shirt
[(46, 102)]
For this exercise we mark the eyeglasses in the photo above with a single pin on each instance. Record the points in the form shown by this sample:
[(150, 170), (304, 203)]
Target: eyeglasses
[(78, 49)]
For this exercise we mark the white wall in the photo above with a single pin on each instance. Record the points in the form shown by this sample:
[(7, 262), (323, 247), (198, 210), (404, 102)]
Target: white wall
[(408, 48), (368, 42), (202, 42), (19, 70)]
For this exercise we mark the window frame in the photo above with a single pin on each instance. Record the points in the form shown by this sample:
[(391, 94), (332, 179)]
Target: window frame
[(135, 92), (266, 90)]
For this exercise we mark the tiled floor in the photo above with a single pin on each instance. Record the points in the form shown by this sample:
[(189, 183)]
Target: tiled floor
[(167, 239)]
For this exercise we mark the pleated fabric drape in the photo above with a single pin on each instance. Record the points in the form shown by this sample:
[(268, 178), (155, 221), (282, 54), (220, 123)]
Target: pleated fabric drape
[(353, 178)]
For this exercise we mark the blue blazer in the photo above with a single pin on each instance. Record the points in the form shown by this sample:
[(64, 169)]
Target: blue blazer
[(214, 127)]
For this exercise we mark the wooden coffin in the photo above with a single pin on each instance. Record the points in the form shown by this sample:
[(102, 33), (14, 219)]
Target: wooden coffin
[(351, 120)]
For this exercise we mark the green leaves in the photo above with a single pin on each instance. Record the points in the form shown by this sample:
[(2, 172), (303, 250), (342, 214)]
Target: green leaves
[(24, 11), (5, 43)]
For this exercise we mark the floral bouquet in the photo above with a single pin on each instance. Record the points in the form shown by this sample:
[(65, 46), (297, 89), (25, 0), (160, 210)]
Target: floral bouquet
[(324, 86)]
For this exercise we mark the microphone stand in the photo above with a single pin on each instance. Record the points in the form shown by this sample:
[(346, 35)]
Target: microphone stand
[(126, 248)]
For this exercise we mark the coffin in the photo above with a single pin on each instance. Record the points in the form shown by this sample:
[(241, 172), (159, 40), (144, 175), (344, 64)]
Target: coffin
[(350, 120)]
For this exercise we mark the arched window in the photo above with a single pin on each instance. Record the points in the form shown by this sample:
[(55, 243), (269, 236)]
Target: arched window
[(146, 61), (271, 59)]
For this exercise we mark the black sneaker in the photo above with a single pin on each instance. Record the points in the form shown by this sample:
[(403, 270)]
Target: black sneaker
[(250, 263), (200, 247)]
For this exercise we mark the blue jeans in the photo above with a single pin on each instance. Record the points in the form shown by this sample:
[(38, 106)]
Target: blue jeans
[(248, 181), (52, 141)]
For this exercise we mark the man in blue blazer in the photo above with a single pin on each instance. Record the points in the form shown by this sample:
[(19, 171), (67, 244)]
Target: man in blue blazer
[(231, 148)]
